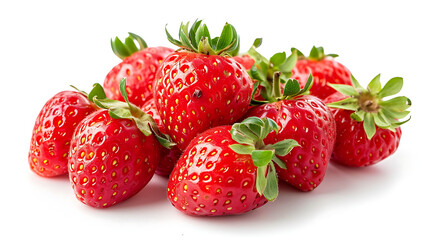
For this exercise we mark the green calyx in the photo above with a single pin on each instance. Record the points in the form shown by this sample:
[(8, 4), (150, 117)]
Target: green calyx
[(273, 73), (126, 110), (128, 47), (197, 39), (316, 54), (250, 134), (369, 107)]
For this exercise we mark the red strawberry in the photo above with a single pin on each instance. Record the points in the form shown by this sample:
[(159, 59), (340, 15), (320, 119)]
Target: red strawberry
[(201, 87), (52, 133), (324, 69), (139, 66), (307, 120), (245, 60), (168, 157), (367, 126), (224, 172), (113, 153)]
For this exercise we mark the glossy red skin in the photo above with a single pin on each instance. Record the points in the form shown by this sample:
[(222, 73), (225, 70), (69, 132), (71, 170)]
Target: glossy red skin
[(245, 60), (110, 160), (168, 157), (140, 70), (325, 71), (352, 147), (224, 89), (308, 121), (53, 130), (210, 179)]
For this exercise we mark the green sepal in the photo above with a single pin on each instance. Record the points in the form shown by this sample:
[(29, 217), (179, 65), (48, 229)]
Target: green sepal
[(316, 54), (369, 125), (127, 110), (271, 190), (284, 147), (128, 47), (242, 149), (263, 156), (261, 180), (369, 107), (198, 39)]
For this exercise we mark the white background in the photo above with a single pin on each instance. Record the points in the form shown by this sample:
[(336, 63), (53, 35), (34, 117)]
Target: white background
[(47, 45)]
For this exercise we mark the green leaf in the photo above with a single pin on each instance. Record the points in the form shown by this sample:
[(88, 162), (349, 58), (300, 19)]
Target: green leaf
[(396, 104), (97, 91), (375, 86), (279, 162), (284, 147), (347, 104), (192, 32), (122, 88), (130, 45), (242, 149), (261, 180), (316, 54), (289, 63), (278, 58), (358, 115), (257, 42), (140, 40), (171, 39), (393, 86), (119, 48), (380, 121), (271, 190), (240, 137), (262, 157), (291, 87), (201, 33), (356, 84), (120, 113), (226, 37), (369, 126), (345, 89)]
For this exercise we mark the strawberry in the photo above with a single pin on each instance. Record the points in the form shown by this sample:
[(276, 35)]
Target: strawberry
[(324, 69), (245, 60), (368, 127), (52, 133), (200, 86), (168, 157), (227, 170), (139, 66), (305, 119), (113, 153)]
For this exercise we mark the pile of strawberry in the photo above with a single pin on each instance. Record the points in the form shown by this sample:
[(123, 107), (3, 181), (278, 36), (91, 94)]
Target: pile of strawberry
[(223, 128)]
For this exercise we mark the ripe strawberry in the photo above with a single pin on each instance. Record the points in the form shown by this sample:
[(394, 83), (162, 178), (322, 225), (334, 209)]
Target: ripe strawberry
[(367, 126), (307, 120), (245, 60), (113, 153), (223, 171), (168, 157), (324, 69), (52, 133), (139, 66), (201, 87)]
